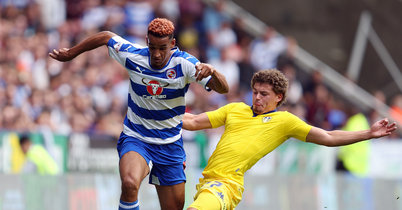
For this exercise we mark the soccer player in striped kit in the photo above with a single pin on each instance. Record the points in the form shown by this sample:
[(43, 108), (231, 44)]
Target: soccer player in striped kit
[(151, 142)]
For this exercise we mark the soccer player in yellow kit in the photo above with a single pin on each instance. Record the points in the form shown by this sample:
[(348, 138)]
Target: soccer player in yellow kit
[(252, 132)]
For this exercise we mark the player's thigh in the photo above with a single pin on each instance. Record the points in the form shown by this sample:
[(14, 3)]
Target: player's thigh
[(205, 201), (133, 166)]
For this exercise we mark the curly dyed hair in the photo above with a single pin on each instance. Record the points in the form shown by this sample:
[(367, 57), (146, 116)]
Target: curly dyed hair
[(276, 79), (161, 27)]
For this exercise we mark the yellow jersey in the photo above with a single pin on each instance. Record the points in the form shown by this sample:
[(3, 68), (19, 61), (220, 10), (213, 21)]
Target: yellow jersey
[(246, 139)]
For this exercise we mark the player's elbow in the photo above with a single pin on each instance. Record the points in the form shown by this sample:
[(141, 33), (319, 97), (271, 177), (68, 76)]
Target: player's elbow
[(222, 89), (219, 86), (104, 36), (225, 89), (330, 144), (107, 33), (323, 142)]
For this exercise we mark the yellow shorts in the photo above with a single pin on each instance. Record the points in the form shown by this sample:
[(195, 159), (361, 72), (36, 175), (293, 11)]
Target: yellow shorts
[(206, 201), (216, 195)]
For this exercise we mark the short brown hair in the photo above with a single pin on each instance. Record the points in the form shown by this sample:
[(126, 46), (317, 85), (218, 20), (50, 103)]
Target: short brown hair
[(276, 79), (161, 27)]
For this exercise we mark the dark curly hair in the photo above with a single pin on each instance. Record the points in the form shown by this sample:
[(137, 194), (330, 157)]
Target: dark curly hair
[(161, 27), (276, 79)]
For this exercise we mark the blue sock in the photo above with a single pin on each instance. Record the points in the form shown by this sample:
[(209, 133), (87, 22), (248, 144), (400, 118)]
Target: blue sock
[(129, 206)]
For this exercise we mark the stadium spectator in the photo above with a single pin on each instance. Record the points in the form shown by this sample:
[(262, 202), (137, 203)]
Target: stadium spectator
[(318, 107), (265, 51), (152, 127), (38, 160), (380, 100), (223, 178), (396, 108), (168, 9), (295, 91), (227, 67), (138, 14), (213, 19), (355, 158)]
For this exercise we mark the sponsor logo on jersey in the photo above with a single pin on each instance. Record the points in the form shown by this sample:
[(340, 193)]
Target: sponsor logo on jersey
[(154, 88), (171, 73), (128, 47), (139, 69)]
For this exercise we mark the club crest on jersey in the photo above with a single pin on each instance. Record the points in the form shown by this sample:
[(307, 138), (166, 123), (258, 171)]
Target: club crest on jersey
[(266, 119), (171, 73), (154, 88)]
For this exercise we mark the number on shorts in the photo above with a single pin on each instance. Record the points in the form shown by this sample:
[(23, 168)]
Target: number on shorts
[(215, 183)]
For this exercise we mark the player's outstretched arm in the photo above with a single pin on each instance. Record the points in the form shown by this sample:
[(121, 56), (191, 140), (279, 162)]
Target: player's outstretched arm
[(196, 122), (218, 81), (379, 129), (90, 43)]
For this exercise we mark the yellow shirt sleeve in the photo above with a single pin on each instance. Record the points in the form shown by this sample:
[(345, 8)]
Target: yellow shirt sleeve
[(217, 117), (296, 127)]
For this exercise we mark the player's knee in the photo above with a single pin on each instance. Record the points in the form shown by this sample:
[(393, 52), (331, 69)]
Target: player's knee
[(130, 184), (180, 203), (173, 204)]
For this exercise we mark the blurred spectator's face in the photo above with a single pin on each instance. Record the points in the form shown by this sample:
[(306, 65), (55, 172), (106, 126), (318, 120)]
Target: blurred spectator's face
[(269, 33), (159, 49), (25, 147), (264, 98)]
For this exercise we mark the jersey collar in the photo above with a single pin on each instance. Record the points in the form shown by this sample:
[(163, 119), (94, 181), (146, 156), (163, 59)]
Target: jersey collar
[(255, 115)]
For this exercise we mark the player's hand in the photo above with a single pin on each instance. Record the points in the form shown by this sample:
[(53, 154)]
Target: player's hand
[(382, 128), (203, 70), (63, 54)]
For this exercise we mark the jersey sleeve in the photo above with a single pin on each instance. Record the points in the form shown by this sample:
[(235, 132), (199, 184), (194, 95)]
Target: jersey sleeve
[(217, 117), (189, 67), (119, 49), (296, 127)]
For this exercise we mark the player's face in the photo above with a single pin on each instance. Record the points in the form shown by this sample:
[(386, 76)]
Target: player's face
[(264, 98), (160, 50)]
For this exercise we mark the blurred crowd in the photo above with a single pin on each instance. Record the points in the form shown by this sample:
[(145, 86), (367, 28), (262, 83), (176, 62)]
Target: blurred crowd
[(89, 94)]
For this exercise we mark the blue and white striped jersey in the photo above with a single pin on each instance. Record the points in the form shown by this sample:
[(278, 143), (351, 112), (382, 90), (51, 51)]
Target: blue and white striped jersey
[(156, 102)]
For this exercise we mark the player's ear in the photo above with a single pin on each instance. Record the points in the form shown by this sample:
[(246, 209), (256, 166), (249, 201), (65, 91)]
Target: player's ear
[(279, 98), (173, 42)]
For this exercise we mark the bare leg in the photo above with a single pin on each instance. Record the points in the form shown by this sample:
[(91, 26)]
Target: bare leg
[(133, 169), (171, 197)]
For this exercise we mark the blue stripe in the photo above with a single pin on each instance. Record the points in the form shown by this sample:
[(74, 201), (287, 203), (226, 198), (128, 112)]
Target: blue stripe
[(134, 50), (186, 56), (141, 90), (161, 74), (129, 205), (153, 133), (128, 47), (111, 42), (155, 114)]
